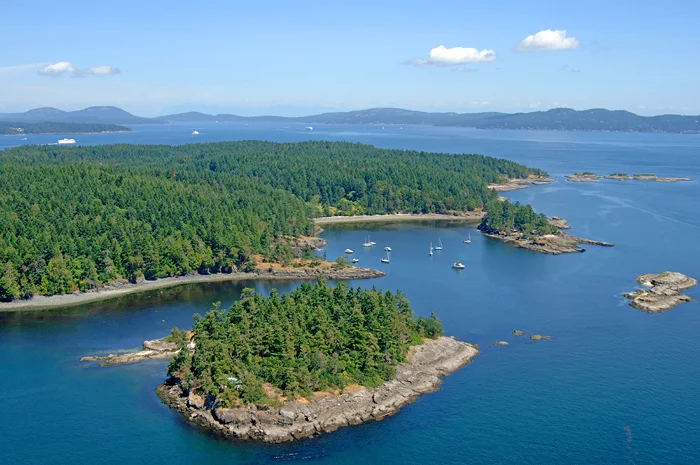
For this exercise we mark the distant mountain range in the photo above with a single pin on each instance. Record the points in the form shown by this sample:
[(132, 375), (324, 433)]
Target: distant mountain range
[(93, 115), (561, 119)]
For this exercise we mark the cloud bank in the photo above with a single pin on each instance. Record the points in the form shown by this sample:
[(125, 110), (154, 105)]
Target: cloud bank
[(66, 67), (548, 40), (443, 56)]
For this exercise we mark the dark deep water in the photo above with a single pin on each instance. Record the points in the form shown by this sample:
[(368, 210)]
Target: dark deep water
[(614, 385)]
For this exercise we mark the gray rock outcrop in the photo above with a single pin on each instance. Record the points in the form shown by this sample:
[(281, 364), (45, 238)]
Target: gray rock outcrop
[(664, 292), (326, 412)]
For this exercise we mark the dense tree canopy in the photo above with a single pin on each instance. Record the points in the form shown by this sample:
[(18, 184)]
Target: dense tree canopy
[(506, 217), (315, 338), (75, 218), (14, 128)]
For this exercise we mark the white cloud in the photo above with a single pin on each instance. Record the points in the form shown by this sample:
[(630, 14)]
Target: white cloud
[(101, 70), (548, 40), (66, 67), (443, 56)]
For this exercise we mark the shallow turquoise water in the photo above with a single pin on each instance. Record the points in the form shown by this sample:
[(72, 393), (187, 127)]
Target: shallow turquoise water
[(614, 385)]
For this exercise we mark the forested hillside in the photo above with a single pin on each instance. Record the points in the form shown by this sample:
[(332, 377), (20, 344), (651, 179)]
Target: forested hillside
[(315, 338), (13, 128), (75, 218)]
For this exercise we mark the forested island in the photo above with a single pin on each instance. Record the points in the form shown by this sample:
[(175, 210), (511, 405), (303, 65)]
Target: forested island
[(79, 218), (518, 224), (556, 119), (287, 367), (15, 129)]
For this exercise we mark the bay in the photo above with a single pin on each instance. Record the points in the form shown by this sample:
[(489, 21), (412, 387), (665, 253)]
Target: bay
[(613, 385)]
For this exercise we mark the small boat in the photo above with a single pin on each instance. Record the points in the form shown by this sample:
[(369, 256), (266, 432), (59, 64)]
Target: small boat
[(195, 133), (388, 249), (439, 247), (458, 265), (348, 251), (469, 239), (386, 259), (66, 141), (309, 128), (431, 250), (368, 243), (355, 260)]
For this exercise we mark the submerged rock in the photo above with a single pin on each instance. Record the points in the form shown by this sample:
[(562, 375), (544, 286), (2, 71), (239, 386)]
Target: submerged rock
[(326, 412), (517, 332), (664, 293), (539, 337), (502, 343)]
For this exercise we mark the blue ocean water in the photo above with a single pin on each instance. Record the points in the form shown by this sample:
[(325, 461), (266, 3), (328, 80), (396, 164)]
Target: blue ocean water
[(614, 385)]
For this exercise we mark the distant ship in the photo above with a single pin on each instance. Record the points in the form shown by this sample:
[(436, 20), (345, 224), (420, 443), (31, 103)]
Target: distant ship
[(309, 128), (66, 141), (195, 132)]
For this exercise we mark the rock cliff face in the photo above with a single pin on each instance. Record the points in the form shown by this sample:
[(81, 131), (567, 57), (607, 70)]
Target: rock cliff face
[(325, 412), (664, 293)]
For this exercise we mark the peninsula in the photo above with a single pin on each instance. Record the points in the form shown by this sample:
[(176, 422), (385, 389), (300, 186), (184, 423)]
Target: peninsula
[(663, 293), (283, 368), (521, 183), (18, 129), (520, 226), (138, 217)]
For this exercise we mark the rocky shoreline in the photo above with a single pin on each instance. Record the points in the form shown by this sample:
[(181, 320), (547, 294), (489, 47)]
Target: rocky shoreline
[(664, 292), (514, 184), (645, 177), (124, 287), (152, 350), (593, 177), (551, 244), (583, 177), (325, 412)]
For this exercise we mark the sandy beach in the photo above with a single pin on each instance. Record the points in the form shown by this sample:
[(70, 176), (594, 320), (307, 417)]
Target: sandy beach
[(40, 302), (469, 217)]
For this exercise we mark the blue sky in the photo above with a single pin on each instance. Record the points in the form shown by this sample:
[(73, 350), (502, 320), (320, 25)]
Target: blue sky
[(153, 57)]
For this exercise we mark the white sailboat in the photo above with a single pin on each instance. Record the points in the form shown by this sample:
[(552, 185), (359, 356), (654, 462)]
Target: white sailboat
[(348, 251), (355, 260), (439, 247), (431, 250), (368, 243), (386, 260), (387, 248), (469, 239), (458, 265), (195, 132)]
